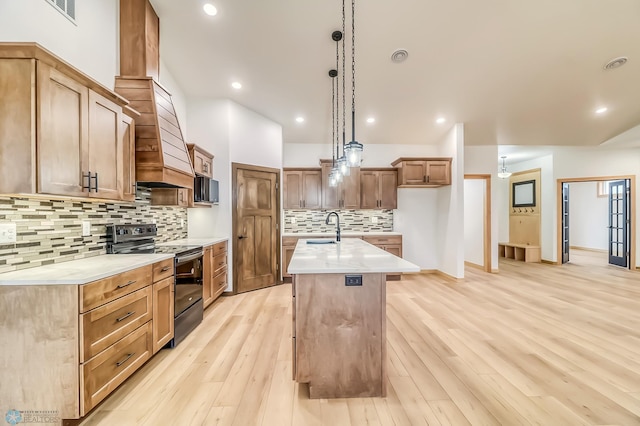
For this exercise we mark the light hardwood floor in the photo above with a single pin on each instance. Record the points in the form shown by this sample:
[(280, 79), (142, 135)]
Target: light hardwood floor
[(534, 344)]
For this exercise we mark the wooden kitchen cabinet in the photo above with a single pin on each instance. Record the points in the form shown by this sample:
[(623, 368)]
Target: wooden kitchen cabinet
[(61, 130), (202, 160), (214, 272), (128, 138), (302, 188), (90, 337), (179, 197), (423, 172), (378, 189), (346, 195)]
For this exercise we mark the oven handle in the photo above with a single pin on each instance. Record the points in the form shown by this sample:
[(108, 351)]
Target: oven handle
[(184, 259)]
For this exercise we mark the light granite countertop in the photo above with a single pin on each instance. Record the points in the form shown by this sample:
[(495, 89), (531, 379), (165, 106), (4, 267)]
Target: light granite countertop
[(351, 255), (342, 234), (80, 271)]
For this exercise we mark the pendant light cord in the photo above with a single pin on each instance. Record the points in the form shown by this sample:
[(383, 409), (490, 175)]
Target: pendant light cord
[(344, 118), (353, 70)]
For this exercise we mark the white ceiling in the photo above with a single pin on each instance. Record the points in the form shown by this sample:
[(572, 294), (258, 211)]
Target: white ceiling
[(515, 72)]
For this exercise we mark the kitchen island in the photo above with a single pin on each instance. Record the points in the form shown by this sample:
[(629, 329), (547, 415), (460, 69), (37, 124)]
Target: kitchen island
[(339, 316)]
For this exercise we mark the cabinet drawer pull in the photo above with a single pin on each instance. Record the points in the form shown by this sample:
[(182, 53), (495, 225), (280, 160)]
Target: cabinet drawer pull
[(88, 177), (95, 178), (165, 269), (119, 363), (126, 284), (126, 316)]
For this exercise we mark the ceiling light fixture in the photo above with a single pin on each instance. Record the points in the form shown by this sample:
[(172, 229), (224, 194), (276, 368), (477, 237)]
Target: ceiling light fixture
[(300, 119), (210, 9), (371, 120), (503, 174), (616, 63), (353, 150), (342, 163), (601, 110), (334, 175), (440, 120), (236, 85), (399, 55)]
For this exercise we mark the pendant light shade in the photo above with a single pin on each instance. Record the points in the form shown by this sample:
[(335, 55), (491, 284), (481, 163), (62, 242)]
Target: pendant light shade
[(353, 150), (503, 174), (343, 165)]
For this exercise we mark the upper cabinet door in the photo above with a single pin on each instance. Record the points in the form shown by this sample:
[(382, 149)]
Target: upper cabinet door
[(63, 123), (105, 147), (128, 140), (350, 190), (369, 189), (292, 189), (439, 172), (312, 185), (413, 172), (388, 186)]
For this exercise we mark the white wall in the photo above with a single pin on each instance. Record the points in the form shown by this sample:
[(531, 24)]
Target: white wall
[(474, 194), (588, 216), (450, 207), (484, 160), (91, 44), (254, 139)]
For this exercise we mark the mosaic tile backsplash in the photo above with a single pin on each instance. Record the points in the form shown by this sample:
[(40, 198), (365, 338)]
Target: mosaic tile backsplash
[(50, 231), (350, 220)]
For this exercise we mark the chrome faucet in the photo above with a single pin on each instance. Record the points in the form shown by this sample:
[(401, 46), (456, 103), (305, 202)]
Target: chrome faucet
[(337, 224)]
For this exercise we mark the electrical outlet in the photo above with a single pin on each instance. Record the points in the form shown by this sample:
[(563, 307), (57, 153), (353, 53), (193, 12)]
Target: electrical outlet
[(182, 223), (86, 228), (7, 233), (374, 219), (293, 220)]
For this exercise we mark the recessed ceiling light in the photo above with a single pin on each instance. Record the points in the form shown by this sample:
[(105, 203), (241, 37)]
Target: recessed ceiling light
[(399, 55), (371, 120), (601, 110), (300, 119), (616, 63), (440, 120), (236, 85), (210, 9)]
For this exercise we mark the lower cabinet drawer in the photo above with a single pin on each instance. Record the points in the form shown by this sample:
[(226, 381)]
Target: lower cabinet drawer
[(220, 282), (219, 262), (106, 371), (103, 291), (382, 240), (220, 248), (103, 326)]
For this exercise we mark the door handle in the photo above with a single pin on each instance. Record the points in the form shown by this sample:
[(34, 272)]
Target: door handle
[(240, 237)]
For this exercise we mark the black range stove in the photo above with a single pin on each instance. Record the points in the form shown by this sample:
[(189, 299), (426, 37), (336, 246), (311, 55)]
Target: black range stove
[(188, 278)]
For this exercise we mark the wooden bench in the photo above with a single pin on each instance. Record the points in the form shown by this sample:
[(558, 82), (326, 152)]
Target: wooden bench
[(518, 251)]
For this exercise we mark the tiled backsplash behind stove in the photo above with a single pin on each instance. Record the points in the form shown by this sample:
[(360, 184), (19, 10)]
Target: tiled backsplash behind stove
[(350, 220), (50, 231)]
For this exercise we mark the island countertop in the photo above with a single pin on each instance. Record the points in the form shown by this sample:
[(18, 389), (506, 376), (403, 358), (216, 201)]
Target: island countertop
[(351, 255)]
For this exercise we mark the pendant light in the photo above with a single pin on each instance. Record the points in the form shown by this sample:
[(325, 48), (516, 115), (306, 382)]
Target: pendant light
[(353, 150), (343, 163), (336, 36), (334, 175), (503, 174)]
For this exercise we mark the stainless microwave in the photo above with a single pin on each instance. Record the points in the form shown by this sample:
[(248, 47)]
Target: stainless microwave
[(205, 190)]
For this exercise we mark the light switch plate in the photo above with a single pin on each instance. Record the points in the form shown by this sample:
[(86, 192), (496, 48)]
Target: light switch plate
[(86, 228), (7, 233)]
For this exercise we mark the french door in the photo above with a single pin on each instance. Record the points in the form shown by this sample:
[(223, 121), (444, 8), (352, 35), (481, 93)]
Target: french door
[(565, 222), (619, 222)]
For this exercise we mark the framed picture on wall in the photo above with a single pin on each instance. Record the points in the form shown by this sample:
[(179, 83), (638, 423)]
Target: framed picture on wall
[(524, 194)]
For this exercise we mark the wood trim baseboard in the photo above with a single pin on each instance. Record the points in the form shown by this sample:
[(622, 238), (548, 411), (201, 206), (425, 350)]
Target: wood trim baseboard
[(474, 265), (495, 271), (548, 262), (447, 276)]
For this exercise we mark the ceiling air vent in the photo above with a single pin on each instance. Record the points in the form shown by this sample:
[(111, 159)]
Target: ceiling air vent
[(66, 7), (616, 63), (399, 55)]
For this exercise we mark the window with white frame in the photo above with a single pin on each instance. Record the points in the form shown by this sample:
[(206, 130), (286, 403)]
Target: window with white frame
[(66, 7)]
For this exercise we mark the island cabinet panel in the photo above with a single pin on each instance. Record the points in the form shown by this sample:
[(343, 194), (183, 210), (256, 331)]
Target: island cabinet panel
[(340, 335), (302, 188)]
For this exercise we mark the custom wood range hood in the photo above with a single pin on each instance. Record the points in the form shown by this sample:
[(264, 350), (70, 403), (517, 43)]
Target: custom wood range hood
[(162, 159)]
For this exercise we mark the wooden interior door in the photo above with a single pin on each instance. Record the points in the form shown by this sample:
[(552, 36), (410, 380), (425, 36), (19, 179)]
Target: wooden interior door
[(256, 232)]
